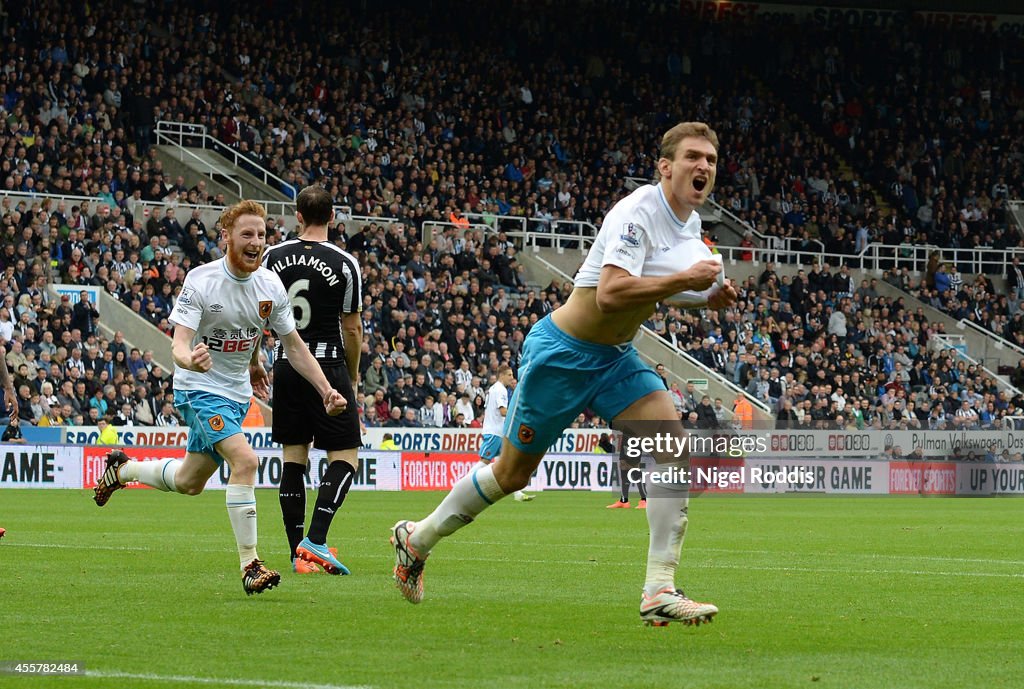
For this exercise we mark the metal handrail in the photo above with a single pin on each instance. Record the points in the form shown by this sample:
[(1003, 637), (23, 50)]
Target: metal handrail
[(767, 240), (1010, 423), (483, 217), (527, 239), (430, 224), (878, 257), (711, 372), (167, 129), (587, 230), (1001, 342), (554, 269), (977, 260), (274, 207), (944, 342), (163, 138)]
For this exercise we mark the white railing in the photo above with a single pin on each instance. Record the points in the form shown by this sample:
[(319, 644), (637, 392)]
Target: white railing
[(945, 341), (558, 242), (495, 221), (344, 214), (176, 140), (1013, 423), (528, 240), (1016, 210), (178, 133), (880, 257), (958, 345), (995, 262), (1000, 342), (767, 241), (211, 213), (580, 228), (761, 254), (274, 207), (710, 372), (431, 225)]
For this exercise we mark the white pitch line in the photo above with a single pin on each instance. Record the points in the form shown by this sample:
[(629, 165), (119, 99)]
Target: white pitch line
[(743, 551), (874, 556), (86, 546), (216, 681), (808, 570)]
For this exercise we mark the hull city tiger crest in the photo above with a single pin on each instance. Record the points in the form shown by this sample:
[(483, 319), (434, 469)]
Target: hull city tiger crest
[(265, 308), (525, 433), (217, 423)]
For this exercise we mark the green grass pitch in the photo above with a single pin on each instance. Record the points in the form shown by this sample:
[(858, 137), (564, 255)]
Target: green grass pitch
[(814, 592)]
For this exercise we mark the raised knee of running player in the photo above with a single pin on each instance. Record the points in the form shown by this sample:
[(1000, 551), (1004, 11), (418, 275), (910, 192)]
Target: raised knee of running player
[(515, 468), (194, 472)]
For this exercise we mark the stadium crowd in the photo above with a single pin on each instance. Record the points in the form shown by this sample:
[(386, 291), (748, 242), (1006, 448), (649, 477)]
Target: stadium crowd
[(495, 122)]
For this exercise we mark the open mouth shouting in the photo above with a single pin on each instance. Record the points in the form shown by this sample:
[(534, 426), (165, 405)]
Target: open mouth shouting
[(252, 255), (700, 182)]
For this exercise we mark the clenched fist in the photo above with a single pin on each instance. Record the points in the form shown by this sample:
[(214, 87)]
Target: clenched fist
[(200, 357), (335, 403), (703, 274)]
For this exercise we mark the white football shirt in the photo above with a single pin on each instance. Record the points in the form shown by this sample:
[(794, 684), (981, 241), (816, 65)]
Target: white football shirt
[(229, 315), (642, 235), (497, 399)]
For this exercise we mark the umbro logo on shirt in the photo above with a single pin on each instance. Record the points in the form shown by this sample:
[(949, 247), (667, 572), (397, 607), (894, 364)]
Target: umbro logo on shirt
[(216, 308)]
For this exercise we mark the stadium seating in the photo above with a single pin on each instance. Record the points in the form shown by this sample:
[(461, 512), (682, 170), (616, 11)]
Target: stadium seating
[(488, 127)]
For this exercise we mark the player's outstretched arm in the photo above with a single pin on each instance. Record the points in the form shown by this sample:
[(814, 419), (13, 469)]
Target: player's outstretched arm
[(302, 361), (712, 298), (195, 358), (619, 290), (352, 336)]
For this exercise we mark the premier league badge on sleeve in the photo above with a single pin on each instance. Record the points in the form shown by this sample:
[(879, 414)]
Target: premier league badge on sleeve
[(630, 232)]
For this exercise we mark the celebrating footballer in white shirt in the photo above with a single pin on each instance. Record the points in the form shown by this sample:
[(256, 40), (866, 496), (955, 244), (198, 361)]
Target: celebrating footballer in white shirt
[(581, 356), (218, 318)]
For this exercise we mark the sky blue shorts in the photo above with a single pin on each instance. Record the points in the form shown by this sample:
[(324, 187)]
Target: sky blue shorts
[(490, 447), (560, 376), (210, 418)]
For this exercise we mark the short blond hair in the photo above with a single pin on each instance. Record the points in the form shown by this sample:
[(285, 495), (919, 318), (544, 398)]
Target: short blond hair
[(670, 141), (244, 207)]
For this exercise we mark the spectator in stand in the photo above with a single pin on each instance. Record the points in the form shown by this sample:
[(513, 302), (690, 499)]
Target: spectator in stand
[(84, 315)]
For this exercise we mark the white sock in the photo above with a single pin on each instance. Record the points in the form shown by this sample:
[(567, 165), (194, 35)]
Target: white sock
[(666, 516), (241, 502), (159, 474), (471, 495)]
